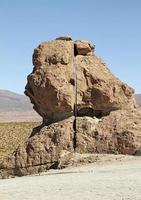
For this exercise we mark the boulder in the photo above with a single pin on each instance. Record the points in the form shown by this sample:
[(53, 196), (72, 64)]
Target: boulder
[(49, 86), (99, 89), (55, 145), (67, 38), (64, 69), (42, 151), (83, 47), (118, 133), (85, 110)]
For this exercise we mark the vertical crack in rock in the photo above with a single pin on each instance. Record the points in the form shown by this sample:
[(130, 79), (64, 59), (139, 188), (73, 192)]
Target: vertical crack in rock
[(75, 95), (75, 132)]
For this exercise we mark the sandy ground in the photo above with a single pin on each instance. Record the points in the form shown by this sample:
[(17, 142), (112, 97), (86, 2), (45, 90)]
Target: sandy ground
[(21, 116), (118, 180)]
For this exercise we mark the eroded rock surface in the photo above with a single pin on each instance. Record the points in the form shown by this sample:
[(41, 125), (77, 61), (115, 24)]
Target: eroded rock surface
[(118, 133), (99, 89), (42, 151), (69, 79), (51, 85), (53, 146)]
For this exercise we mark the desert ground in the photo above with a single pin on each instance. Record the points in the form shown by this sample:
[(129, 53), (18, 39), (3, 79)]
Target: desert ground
[(12, 134), (114, 178), (17, 116)]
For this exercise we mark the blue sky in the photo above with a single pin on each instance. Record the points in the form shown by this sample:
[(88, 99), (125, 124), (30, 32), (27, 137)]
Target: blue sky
[(113, 26)]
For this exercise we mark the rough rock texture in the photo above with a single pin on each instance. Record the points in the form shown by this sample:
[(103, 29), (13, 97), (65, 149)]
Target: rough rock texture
[(42, 151), (53, 145), (83, 47), (118, 133), (99, 89), (67, 38), (51, 85), (69, 79)]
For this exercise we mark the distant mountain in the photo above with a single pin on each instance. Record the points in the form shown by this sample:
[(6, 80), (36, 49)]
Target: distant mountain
[(138, 98), (16, 107), (10, 101)]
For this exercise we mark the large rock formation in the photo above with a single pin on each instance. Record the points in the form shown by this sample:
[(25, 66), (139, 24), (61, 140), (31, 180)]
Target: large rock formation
[(62, 63), (49, 85), (69, 79)]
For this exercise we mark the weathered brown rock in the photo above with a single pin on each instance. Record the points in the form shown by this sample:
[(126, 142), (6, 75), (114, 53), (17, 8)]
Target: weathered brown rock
[(42, 151), (51, 85), (69, 75), (67, 38), (53, 146), (99, 89), (118, 133), (83, 47)]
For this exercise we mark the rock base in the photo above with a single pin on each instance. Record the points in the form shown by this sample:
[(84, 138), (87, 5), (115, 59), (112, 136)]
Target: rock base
[(53, 146)]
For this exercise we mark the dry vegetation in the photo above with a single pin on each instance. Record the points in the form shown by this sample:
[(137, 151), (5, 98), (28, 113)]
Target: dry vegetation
[(12, 134)]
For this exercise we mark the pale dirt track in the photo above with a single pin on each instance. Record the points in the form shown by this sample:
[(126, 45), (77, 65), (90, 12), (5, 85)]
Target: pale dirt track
[(120, 180)]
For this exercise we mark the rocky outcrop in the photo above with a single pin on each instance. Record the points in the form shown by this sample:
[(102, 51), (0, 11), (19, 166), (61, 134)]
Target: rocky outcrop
[(85, 109), (53, 146), (51, 86), (118, 133), (42, 151), (83, 47)]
